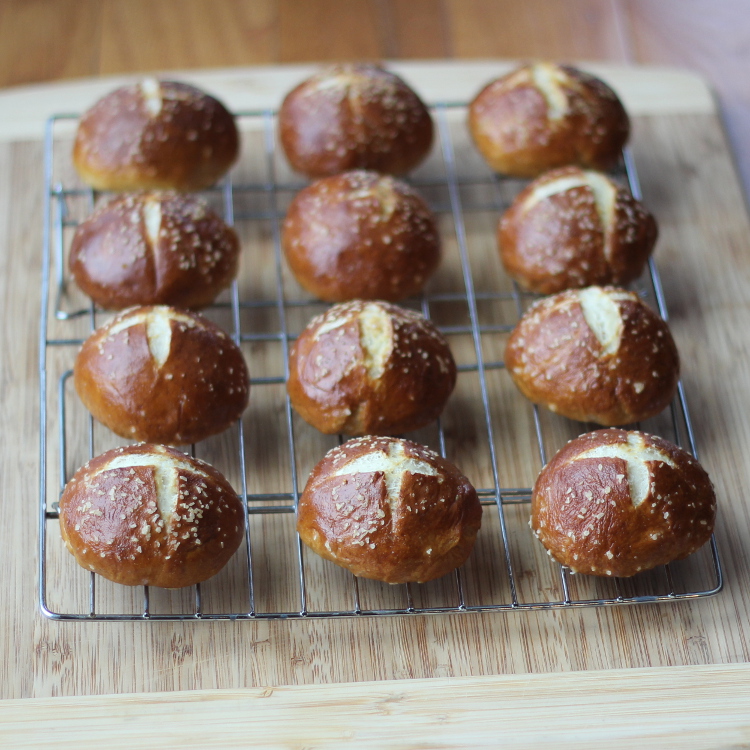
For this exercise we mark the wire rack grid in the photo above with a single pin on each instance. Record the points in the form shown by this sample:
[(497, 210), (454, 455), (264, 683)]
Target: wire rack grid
[(273, 576)]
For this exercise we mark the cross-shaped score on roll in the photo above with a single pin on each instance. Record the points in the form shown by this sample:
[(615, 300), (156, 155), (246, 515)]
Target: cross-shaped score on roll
[(152, 221), (554, 83), (339, 80), (383, 192), (152, 97), (602, 315), (394, 464), (635, 454), (549, 80), (158, 322), (375, 335), (351, 82), (604, 192), (166, 477)]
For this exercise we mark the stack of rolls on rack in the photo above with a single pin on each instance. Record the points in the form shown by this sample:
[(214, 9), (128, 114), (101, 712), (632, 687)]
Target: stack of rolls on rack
[(357, 232), (370, 368), (158, 372), (360, 235), (160, 375), (153, 245), (618, 502), (573, 228), (612, 502), (594, 351), (541, 116), (382, 507), (598, 354), (389, 509), (149, 515), (354, 116), (155, 135), (154, 248)]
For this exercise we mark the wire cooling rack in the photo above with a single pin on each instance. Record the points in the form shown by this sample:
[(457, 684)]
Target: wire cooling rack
[(498, 439)]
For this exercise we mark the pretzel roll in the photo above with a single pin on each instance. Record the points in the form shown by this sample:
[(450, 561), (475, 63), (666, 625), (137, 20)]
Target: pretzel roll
[(573, 228), (360, 235), (598, 354), (354, 116), (370, 368), (389, 509), (155, 135), (162, 375), (148, 515), (614, 503), (154, 248), (543, 116)]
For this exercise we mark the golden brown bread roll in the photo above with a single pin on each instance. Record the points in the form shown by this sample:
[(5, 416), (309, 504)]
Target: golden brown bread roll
[(150, 515), (573, 228), (354, 116), (157, 248), (360, 235), (543, 116), (155, 135), (598, 354), (162, 375), (370, 368), (389, 509), (614, 503)]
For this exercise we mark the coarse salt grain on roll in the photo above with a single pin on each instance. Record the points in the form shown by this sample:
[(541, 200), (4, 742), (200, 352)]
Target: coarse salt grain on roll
[(573, 228), (154, 248), (370, 368), (150, 515), (615, 503), (354, 116), (155, 135), (162, 375), (543, 116), (390, 510), (598, 354)]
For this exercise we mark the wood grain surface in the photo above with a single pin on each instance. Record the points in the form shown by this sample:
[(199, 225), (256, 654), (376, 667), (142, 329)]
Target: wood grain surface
[(698, 708), (689, 182)]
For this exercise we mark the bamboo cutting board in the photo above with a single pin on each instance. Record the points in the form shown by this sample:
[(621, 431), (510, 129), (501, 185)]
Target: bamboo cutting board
[(688, 181), (683, 708)]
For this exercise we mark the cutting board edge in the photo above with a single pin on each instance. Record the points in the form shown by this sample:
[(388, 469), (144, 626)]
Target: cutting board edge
[(645, 90)]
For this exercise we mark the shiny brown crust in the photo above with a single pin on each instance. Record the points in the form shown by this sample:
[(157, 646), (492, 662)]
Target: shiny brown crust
[(155, 135), (162, 375), (148, 515), (361, 235), (572, 228), (389, 509), (614, 503), (543, 116), (626, 373), (159, 248), (354, 116), (370, 368)]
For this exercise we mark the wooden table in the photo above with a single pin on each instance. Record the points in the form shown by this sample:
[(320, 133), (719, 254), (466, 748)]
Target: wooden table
[(690, 183)]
